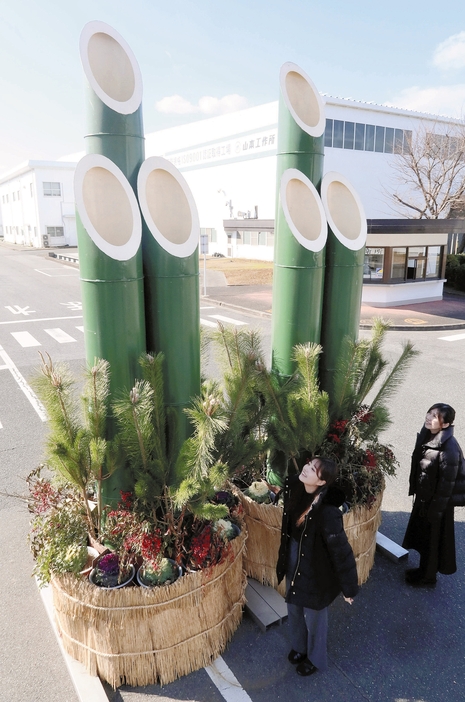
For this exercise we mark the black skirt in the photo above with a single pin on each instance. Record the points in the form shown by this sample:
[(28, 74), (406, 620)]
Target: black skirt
[(434, 542)]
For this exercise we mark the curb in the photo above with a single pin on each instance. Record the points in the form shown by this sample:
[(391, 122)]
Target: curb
[(239, 308), (419, 327), (267, 315), (89, 688)]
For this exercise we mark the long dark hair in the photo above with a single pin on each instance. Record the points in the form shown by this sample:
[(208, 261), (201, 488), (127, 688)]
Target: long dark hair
[(445, 412), (300, 500)]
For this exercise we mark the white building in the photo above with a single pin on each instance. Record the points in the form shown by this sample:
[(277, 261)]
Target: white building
[(37, 204), (230, 165)]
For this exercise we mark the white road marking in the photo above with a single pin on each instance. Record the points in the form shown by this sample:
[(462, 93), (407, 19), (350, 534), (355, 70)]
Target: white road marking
[(81, 329), (226, 682), (58, 275), (455, 337), (25, 339), (207, 308), (59, 335), (73, 306), (1, 425), (227, 319), (31, 396), (43, 319), (207, 323), (16, 309)]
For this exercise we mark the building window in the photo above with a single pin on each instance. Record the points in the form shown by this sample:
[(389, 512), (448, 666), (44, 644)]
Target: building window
[(433, 261), (416, 263), (262, 238), (52, 189), (14, 197), (338, 134), (55, 231), (389, 141), (379, 139), (349, 130), (398, 141), (359, 137), (373, 264), (367, 137), (399, 259), (329, 132)]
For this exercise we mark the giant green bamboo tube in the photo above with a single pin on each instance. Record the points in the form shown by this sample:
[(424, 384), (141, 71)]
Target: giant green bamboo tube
[(298, 280), (113, 98), (109, 236), (345, 250), (300, 225), (112, 287), (171, 267)]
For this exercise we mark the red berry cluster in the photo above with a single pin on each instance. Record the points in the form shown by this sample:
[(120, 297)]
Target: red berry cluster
[(201, 545), (150, 547), (369, 460)]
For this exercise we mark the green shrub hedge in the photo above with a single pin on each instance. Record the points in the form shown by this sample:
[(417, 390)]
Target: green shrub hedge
[(455, 271)]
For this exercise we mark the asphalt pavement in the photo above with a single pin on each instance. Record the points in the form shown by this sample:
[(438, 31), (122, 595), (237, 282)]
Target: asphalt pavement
[(395, 644)]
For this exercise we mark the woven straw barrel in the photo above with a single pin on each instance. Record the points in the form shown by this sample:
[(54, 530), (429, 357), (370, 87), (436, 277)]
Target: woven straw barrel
[(264, 536), (264, 528), (361, 524), (138, 636)]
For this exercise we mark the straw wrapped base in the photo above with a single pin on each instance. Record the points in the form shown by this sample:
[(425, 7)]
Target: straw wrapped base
[(264, 528), (361, 524), (136, 636)]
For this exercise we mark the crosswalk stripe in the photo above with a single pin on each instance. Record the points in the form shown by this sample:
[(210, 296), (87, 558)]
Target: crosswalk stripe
[(25, 339), (227, 319), (454, 337), (81, 329), (59, 335), (207, 323)]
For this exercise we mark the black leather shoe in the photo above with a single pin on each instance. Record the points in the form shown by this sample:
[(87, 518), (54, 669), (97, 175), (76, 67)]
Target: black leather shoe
[(306, 668), (295, 657)]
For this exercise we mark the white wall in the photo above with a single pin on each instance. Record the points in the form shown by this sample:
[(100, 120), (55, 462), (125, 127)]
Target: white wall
[(209, 153), (26, 218)]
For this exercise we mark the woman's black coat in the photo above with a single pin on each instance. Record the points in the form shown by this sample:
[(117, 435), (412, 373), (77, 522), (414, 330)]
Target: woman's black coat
[(436, 461), (326, 564)]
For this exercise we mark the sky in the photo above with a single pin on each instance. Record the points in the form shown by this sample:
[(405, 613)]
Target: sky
[(206, 57)]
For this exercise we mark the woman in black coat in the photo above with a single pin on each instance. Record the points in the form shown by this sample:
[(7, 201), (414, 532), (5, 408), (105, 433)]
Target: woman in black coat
[(316, 558), (437, 483)]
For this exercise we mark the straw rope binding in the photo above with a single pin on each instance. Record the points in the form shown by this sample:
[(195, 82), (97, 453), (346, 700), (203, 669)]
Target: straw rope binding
[(264, 527), (139, 636)]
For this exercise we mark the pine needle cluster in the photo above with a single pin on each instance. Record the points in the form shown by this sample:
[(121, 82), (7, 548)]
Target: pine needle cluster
[(76, 445), (356, 422)]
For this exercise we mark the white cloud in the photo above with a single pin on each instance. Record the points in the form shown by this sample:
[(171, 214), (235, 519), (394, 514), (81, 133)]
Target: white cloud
[(447, 100), (450, 54), (207, 105), (175, 105)]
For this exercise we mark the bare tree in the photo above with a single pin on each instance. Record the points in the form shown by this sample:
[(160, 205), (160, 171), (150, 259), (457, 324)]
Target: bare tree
[(430, 173)]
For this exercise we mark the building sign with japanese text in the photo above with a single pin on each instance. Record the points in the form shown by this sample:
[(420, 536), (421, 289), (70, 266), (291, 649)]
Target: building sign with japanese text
[(236, 148)]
